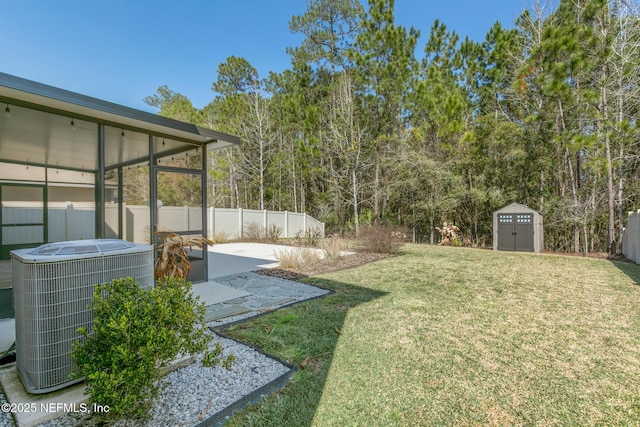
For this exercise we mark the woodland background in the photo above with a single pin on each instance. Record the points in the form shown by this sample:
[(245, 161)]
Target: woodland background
[(372, 125)]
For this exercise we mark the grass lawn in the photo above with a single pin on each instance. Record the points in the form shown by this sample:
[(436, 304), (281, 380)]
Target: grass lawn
[(455, 336)]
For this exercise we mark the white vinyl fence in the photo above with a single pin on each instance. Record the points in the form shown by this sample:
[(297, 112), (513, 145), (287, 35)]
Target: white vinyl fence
[(631, 237), (75, 221), (67, 221), (71, 221), (234, 222)]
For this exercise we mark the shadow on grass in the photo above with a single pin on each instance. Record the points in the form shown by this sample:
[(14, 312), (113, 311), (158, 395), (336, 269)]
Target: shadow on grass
[(305, 335), (631, 269)]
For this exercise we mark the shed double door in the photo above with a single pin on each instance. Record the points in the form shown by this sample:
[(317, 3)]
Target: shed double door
[(515, 232)]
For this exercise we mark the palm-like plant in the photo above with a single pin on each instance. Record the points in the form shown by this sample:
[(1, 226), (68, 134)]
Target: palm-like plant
[(173, 259)]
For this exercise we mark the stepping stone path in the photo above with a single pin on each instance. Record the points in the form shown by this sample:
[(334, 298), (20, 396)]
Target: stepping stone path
[(267, 293)]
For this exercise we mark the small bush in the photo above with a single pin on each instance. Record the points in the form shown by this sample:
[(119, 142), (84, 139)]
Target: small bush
[(297, 257), (449, 235), (273, 233), (137, 332), (173, 256), (309, 256), (332, 248), (380, 239), (309, 237), (253, 231), (220, 237), (288, 258)]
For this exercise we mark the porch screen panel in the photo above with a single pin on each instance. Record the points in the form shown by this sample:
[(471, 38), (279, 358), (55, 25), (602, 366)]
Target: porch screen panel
[(179, 201), (22, 215)]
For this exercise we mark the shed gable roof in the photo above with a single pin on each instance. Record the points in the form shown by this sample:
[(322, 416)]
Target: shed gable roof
[(516, 208)]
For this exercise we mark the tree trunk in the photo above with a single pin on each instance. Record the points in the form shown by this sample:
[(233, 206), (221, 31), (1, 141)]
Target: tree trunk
[(604, 130), (261, 175), (611, 228), (294, 181), (233, 184), (376, 191), (574, 191), (354, 189), (620, 195), (431, 237), (575, 206)]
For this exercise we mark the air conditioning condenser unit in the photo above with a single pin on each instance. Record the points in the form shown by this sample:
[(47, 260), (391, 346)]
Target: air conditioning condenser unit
[(53, 286)]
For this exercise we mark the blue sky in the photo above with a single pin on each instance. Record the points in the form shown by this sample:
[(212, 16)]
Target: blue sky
[(123, 50)]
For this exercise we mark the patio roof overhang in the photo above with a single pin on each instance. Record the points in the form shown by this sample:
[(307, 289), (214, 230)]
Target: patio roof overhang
[(53, 127)]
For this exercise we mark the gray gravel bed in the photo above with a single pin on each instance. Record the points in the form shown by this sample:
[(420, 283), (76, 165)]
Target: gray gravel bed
[(196, 393), (6, 420)]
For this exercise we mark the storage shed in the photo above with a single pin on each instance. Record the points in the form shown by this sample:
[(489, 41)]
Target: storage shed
[(517, 227)]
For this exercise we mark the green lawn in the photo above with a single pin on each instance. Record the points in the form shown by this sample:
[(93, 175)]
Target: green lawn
[(455, 336)]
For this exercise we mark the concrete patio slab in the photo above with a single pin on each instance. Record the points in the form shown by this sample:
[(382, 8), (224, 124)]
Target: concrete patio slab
[(226, 259), (250, 250), (46, 406)]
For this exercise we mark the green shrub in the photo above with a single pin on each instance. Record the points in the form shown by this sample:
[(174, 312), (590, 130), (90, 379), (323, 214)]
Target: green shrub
[(136, 332)]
